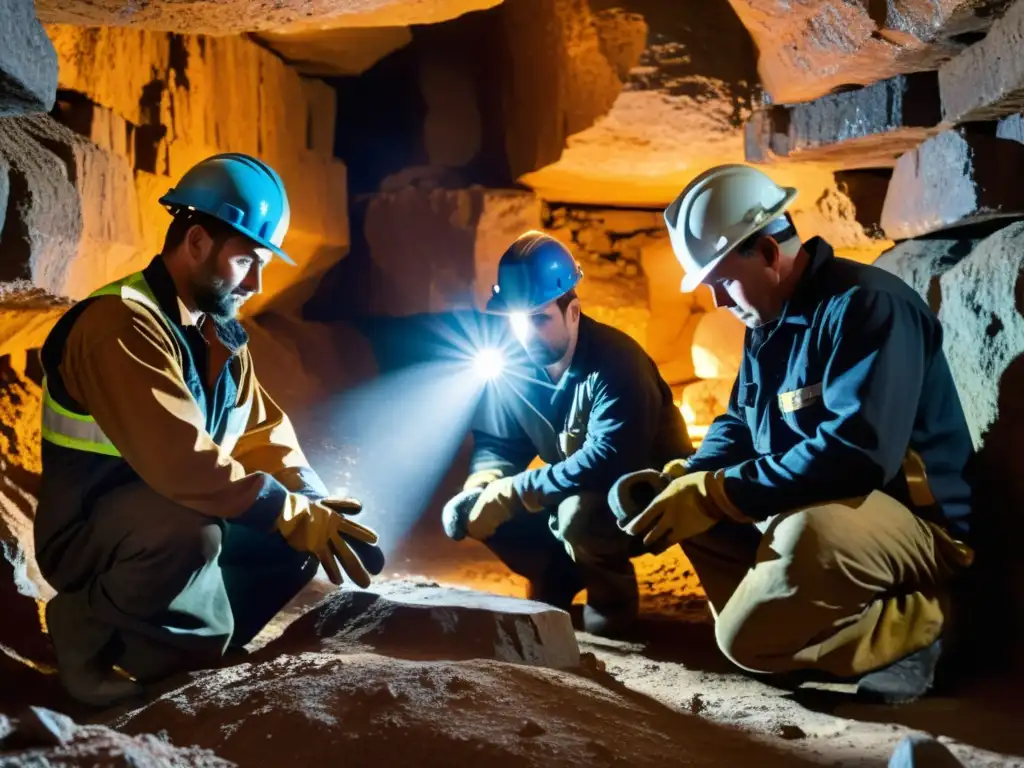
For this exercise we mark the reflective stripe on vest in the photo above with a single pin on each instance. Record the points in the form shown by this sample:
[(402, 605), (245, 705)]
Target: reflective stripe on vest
[(79, 431)]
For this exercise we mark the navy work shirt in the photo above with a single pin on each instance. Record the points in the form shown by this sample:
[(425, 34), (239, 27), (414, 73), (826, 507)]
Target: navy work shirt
[(611, 413), (831, 396)]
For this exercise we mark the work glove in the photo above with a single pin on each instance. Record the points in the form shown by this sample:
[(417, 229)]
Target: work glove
[(481, 479), (498, 503), (676, 468), (323, 529), (456, 513), (632, 494), (688, 507)]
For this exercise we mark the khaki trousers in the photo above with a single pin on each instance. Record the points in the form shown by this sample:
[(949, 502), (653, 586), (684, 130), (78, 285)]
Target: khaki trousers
[(845, 587)]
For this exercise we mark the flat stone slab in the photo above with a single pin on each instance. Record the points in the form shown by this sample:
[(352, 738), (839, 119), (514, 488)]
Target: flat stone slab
[(987, 80), (867, 127), (28, 62), (423, 621), (953, 179)]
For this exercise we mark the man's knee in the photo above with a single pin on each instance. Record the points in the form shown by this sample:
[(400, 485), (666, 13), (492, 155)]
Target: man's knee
[(580, 519)]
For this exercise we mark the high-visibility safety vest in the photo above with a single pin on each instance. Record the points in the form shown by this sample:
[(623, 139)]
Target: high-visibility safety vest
[(78, 431)]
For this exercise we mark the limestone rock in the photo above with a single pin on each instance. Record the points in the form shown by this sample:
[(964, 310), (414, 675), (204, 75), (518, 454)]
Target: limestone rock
[(374, 711), (810, 48), (421, 621), (984, 329), (426, 251), (681, 110), (921, 263), (28, 64), (952, 179), (234, 17), (867, 127), (987, 80), (333, 52), (38, 736), (705, 400), (718, 345)]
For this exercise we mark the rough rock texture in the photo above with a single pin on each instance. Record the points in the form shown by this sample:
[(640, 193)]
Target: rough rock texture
[(952, 179), (718, 345), (608, 244), (1011, 128), (377, 711), (228, 17), (867, 127), (987, 80), (680, 112), (28, 64), (384, 620), (920, 264), (704, 400), (426, 250), (983, 324), (41, 737), (808, 49), (333, 52), (156, 104)]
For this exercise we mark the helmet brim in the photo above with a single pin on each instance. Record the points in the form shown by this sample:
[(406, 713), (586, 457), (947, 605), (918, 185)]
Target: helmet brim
[(173, 206)]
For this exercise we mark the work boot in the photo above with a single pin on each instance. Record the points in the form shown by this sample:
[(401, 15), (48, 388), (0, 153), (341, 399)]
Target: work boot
[(920, 751), (609, 620), (554, 593), (79, 642), (904, 681)]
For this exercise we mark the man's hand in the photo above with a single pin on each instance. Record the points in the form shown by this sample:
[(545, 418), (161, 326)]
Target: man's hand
[(688, 507), (676, 468), (498, 503), (323, 529)]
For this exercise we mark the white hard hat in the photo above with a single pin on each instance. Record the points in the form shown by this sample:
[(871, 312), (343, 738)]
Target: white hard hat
[(716, 212)]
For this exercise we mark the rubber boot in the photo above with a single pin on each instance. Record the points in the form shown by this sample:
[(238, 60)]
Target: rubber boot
[(906, 680), (613, 599), (79, 642)]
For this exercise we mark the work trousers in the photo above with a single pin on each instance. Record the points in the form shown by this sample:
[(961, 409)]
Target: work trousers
[(572, 546), (843, 588), (157, 588)]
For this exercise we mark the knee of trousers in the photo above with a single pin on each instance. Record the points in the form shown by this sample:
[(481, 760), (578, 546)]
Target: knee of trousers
[(584, 521), (168, 555)]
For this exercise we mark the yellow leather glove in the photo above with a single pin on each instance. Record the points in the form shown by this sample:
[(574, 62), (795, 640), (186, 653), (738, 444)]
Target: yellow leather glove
[(481, 479), (689, 506), (675, 468), (323, 529), (496, 505)]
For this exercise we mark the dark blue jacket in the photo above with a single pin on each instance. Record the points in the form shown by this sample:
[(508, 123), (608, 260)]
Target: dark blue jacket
[(831, 396), (611, 413)]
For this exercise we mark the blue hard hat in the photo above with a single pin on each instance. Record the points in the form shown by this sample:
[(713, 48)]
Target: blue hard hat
[(239, 190), (534, 271)]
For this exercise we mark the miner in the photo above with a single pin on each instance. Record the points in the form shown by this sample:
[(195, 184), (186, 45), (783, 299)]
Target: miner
[(592, 405), (177, 513), (827, 512)]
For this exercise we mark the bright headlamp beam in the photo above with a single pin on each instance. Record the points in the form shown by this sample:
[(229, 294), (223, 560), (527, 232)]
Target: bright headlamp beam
[(520, 326), (489, 363)]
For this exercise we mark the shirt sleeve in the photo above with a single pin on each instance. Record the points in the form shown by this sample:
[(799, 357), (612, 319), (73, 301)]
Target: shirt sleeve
[(870, 389), (620, 432), (269, 443), (727, 441), (121, 365)]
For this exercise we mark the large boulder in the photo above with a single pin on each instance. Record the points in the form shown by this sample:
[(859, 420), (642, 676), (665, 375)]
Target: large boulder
[(28, 64), (810, 48), (921, 264)]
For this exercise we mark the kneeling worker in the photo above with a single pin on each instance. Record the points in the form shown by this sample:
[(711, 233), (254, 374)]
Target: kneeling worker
[(826, 511), (592, 404), (177, 513)]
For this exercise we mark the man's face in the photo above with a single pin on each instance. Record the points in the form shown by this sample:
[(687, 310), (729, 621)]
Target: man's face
[(748, 284), (546, 335), (228, 275)]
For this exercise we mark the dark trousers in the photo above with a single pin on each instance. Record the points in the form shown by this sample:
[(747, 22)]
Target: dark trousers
[(570, 547), (156, 587)]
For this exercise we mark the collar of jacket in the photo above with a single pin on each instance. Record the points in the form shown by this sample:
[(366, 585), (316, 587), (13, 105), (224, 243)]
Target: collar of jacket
[(230, 332), (799, 310), (580, 355)]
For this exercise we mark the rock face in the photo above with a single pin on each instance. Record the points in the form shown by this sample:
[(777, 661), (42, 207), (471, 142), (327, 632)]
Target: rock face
[(28, 64), (155, 104), (920, 264), (809, 49), (420, 621), (868, 127), (987, 80), (953, 179), (235, 16), (984, 328), (334, 52), (680, 112), (426, 251)]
